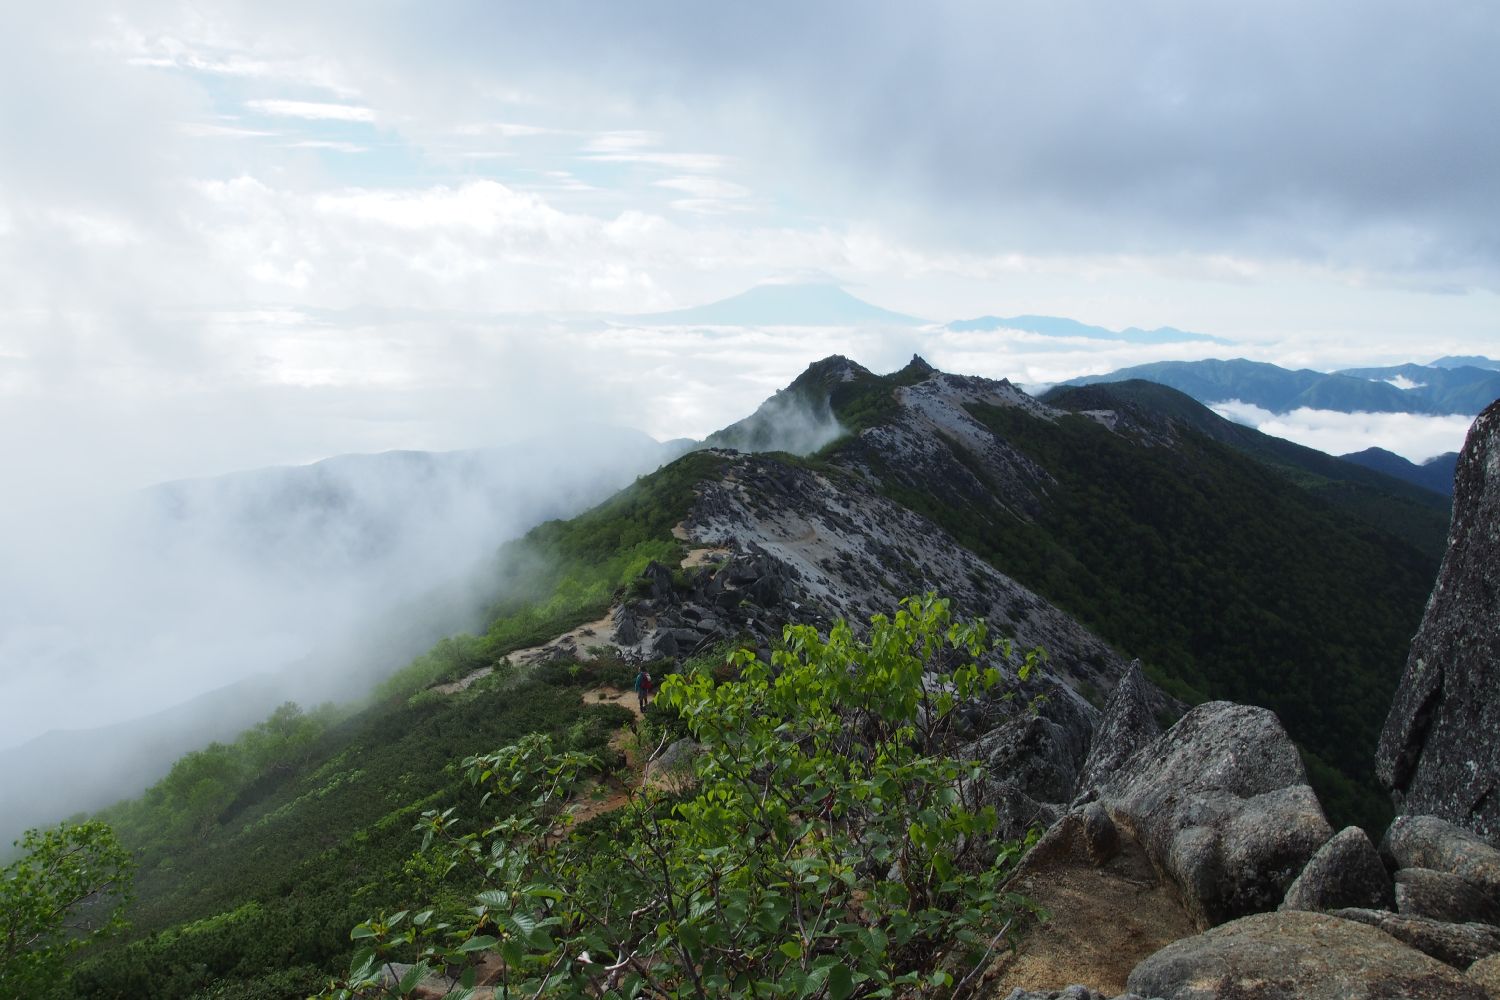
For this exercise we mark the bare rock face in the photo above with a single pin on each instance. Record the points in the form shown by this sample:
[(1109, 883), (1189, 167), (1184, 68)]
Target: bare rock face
[(1486, 972), (1430, 842), (1129, 723), (1422, 892), (1459, 945), (1346, 871), (1074, 992), (1296, 955), (1437, 752), (1221, 804)]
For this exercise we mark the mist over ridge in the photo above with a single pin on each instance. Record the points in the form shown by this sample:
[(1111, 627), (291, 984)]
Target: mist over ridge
[(289, 582)]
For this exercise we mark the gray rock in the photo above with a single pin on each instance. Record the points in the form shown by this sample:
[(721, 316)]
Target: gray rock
[(658, 581), (1297, 955), (1422, 892), (673, 770), (1346, 871), (1430, 842), (1128, 724), (1459, 945), (1037, 754), (627, 625), (1101, 838), (1016, 812), (1486, 972), (1437, 751), (1221, 804), (678, 756), (665, 646), (1070, 993)]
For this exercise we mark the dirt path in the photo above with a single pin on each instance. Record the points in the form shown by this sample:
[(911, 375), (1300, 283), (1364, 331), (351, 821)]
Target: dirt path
[(575, 643), (704, 557), (616, 790), (1104, 920)]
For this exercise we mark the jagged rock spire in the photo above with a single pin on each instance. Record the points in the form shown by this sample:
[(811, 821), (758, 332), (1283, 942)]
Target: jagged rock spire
[(1438, 752)]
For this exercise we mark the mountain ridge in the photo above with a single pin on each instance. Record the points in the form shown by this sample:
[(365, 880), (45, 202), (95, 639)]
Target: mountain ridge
[(1459, 390), (1103, 533), (782, 304), (1058, 326)]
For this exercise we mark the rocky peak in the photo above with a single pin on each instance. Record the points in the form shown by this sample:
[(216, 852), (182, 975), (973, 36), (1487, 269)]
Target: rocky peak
[(1437, 752), (829, 372), (916, 368)]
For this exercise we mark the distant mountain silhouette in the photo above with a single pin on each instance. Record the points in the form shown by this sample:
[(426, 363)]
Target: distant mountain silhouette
[(1435, 474), (1398, 389), (805, 304), (1057, 326), (1466, 361)]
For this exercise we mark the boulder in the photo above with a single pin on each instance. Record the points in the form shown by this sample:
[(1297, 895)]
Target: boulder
[(1297, 955), (1437, 751), (1037, 754), (1221, 804), (673, 770), (1101, 838), (1459, 945), (1430, 842), (1032, 759), (627, 625), (1346, 871), (1017, 813), (1128, 724), (1422, 892), (658, 582), (1074, 992), (1486, 972)]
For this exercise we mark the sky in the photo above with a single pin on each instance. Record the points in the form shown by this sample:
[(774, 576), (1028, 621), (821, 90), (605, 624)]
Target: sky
[(242, 234)]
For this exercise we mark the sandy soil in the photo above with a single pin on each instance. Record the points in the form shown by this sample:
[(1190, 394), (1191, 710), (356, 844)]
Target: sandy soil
[(575, 643), (704, 557), (1103, 922)]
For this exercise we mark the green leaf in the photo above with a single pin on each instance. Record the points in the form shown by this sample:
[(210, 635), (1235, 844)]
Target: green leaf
[(840, 982), (413, 976), (477, 943)]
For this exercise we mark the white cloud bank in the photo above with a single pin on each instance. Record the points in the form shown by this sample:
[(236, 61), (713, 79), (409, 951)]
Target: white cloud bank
[(1413, 436)]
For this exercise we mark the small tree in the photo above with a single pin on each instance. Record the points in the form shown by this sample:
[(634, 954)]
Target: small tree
[(830, 847), (69, 886)]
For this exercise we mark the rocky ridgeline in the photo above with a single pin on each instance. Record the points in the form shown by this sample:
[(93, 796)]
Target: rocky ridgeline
[(1193, 862), (1220, 809)]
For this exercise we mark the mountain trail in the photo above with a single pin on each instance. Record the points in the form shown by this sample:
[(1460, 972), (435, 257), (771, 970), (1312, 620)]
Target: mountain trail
[(615, 791)]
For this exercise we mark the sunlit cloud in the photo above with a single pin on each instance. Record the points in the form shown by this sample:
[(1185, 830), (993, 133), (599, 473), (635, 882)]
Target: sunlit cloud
[(207, 131), (622, 141), (705, 187), (312, 110), (672, 161), (329, 144)]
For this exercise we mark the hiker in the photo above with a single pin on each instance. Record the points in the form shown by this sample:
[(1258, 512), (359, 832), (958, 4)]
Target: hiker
[(643, 687)]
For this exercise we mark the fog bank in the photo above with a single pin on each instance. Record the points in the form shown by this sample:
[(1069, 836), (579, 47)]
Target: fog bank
[(139, 629)]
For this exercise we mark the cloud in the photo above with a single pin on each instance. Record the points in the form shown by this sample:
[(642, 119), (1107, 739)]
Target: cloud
[(671, 161), (1413, 436), (312, 110), (508, 130), (201, 130), (329, 144), (705, 187), (622, 141)]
